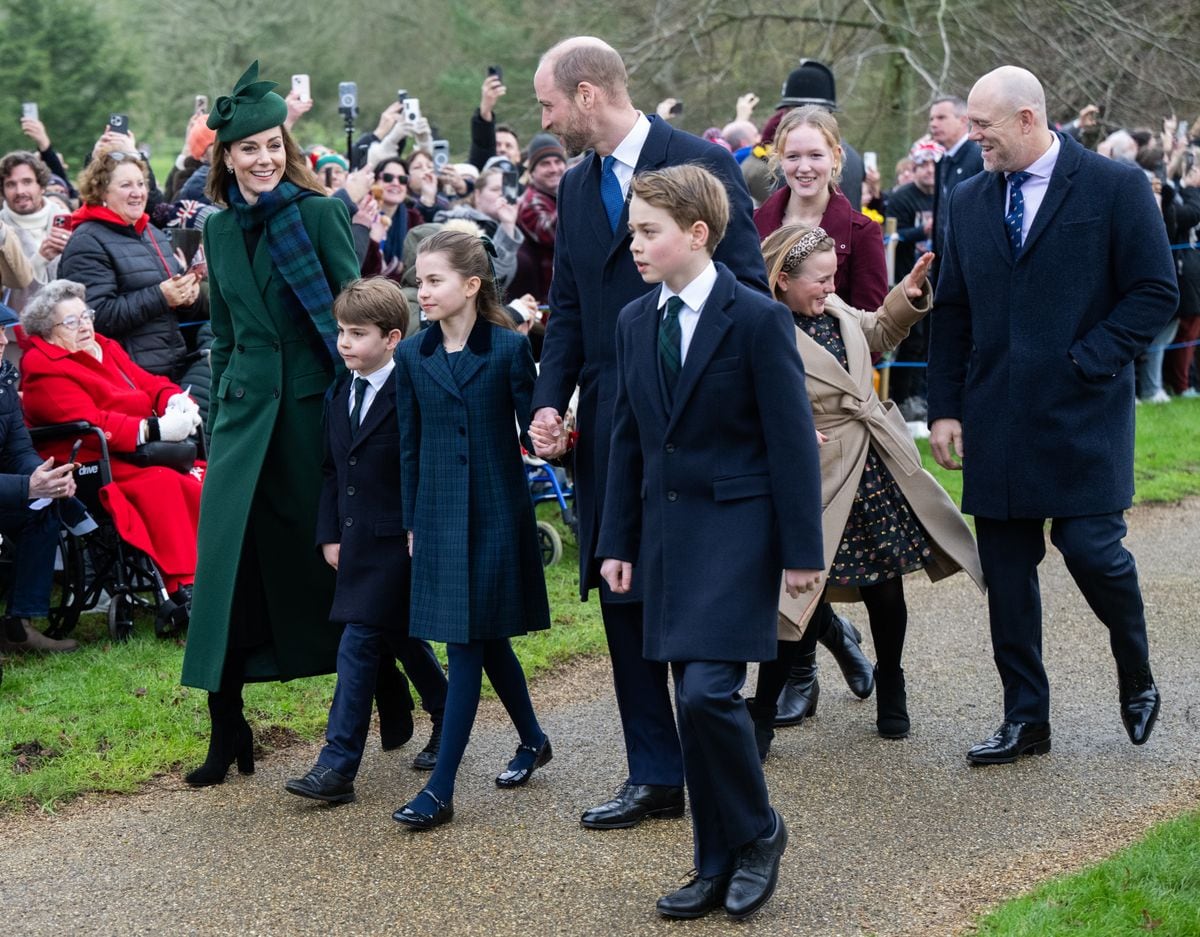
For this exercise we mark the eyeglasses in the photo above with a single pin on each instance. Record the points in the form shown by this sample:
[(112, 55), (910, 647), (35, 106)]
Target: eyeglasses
[(393, 177), (983, 126), (72, 323)]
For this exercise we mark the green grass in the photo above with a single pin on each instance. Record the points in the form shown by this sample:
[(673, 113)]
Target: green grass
[(1151, 887), (111, 717)]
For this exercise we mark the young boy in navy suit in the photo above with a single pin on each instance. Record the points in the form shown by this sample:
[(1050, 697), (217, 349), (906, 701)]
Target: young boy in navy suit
[(713, 493), (360, 535)]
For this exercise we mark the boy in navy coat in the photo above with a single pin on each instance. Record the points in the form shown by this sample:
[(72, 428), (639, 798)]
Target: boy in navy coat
[(361, 536), (713, 490)]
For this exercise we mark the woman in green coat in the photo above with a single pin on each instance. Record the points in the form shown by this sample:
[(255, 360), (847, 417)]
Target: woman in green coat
[(277, 255)]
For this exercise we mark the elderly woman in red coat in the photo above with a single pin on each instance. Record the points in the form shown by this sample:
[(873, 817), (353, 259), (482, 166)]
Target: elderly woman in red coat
[(68, 372)]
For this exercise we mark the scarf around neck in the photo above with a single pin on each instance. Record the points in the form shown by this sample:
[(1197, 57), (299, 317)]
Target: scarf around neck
[(104, 213), (292, 252)]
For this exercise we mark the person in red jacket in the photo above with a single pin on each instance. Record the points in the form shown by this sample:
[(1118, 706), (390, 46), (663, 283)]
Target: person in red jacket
[(68, 372)]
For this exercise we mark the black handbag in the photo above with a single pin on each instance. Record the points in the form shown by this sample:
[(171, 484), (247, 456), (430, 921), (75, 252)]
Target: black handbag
[(180, 456)]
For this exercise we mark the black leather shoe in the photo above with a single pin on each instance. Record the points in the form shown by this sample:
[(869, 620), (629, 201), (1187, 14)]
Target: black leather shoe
[(323, 783), (844, 642), (426, 759), (1011, 741), (415, 820), (633, 804), (756, 872), (798, 699), (696, 898), (1140, 701), (891, 704), (516, 776)]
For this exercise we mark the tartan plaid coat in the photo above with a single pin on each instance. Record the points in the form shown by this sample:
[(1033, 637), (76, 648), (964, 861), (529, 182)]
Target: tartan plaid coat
[(476, 566)]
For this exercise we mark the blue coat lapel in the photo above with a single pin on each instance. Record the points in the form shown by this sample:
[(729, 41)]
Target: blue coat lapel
[(475, 354), (714, 322), (591, 195), (995, 209), (383, 407), (1056, 192)]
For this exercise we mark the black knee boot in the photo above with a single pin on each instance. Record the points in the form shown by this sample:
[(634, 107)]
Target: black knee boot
[(231, 740)]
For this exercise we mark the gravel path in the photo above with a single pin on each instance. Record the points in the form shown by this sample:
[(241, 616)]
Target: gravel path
[(887, 837)]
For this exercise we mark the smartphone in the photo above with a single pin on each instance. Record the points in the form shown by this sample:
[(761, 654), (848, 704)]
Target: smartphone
[(61, 221), (676, 109), (348, 98), (301, 87), (75, 450), (1181, 131), (412, 110), (495, 71), (199, 265), (118, 123), (29, 111), (871, 161), (510, 186), (401, 95), (202, 104), (441, 155)]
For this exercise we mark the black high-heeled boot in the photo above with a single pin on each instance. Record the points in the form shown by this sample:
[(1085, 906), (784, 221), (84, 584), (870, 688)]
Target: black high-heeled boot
[(891, 703), (764, 725), (231, 741), (798, 701)]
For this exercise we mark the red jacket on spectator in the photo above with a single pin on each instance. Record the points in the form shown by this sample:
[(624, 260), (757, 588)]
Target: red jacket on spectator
[(537, 217)]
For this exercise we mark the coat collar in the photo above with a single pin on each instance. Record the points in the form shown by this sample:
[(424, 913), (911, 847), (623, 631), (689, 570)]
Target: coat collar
[(1061, 179), (435, 361)]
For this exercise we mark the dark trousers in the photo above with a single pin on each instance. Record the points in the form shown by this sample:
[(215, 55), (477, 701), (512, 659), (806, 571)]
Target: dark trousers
[(725, 782), (643, 700), (358, 663), (1104, 571), (34, 537)]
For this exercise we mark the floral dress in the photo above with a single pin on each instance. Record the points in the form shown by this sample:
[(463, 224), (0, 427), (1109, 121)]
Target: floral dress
[(883, 538)]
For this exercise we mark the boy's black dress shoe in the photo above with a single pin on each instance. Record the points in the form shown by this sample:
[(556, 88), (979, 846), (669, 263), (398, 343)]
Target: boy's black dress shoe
[(323, 783), (415, 820), (844, 642), (696, 898), (1139, 701), (1011, 741), (633, 804), (515, 777), (426, 759), (756, 872)]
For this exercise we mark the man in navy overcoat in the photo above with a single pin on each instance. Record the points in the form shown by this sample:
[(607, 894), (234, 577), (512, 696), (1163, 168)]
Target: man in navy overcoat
[(581, 86), (1056, 274)]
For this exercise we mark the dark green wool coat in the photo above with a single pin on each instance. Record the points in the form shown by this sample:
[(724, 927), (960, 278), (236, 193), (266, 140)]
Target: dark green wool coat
[(270, 373)]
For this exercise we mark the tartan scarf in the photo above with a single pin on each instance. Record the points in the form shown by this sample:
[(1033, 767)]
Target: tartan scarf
[(278, 212)]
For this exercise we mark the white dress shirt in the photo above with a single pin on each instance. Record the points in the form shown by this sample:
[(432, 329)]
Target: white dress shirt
[(375, 381), (628, 151), (694, 296), (1034, 189)]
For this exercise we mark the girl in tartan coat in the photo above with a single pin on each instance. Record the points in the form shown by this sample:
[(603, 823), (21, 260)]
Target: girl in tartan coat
[(476, 569)]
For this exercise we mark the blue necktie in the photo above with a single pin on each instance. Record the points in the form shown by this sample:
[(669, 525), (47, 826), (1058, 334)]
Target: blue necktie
[(610, 192), (669, 347), (360, 391), (1016, 210)]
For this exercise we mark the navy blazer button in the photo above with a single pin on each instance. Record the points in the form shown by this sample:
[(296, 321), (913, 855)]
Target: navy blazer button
[(462, 460), (672, 496), (349, 489), (353, 460), (670, 447), (240, 392), (349, 521)]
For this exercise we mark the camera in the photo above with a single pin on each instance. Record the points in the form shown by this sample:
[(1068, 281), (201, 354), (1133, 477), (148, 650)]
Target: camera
[(118, 123), (348, 99), (412, 110), (61, 221), (441, 155), (29, 111)]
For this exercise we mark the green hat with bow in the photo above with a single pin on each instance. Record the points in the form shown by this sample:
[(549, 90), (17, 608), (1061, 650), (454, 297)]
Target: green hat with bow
[(252, 108)]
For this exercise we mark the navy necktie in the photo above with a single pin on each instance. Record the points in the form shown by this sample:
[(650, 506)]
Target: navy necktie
[(360, 391), (669, 347), (610, 192), (1016, 210)]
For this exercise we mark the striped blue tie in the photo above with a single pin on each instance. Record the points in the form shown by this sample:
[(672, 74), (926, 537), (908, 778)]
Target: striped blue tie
[(1016, 210), (610, 192)]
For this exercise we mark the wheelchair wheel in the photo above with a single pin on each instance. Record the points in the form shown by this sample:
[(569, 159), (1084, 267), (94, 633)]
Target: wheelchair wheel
[(120, 617), (549, 542)]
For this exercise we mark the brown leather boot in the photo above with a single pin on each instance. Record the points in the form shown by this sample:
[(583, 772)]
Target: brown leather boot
[(36, 641)]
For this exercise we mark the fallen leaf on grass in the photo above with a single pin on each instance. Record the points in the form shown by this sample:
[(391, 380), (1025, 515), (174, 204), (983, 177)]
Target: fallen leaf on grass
[(1149, 922), (140, 691)]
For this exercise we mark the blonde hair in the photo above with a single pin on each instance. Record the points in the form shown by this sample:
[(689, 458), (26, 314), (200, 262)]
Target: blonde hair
[(811, 115), (687, 193), (786, 249)]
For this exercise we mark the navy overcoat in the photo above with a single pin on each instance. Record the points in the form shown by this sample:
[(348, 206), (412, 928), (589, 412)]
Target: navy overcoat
[(476, 566), (594, 278), (1035, 355), (360, 509), (714, 496)]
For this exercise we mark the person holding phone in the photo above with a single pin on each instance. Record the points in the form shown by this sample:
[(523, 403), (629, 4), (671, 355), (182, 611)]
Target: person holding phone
[(497, 217), (28, 216), (277, 255)]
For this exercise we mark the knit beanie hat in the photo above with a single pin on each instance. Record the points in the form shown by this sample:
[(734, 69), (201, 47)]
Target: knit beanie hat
[(252, 108), (199, 139), (332, 159), (543, 146)]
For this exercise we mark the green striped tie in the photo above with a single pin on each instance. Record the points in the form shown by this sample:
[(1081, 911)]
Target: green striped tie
[(668, 343)]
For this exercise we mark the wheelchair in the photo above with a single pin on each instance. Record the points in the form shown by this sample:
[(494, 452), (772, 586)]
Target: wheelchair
[(100, 564), (548, 483)]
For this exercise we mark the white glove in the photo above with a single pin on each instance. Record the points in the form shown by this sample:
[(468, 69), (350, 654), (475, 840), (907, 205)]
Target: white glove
[(182, 402), (176, 426)]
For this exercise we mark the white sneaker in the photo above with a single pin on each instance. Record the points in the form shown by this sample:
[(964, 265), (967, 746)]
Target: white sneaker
[(1190, 392), (1160, 396)]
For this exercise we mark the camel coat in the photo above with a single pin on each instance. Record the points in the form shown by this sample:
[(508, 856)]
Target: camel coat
[(848, 411)]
